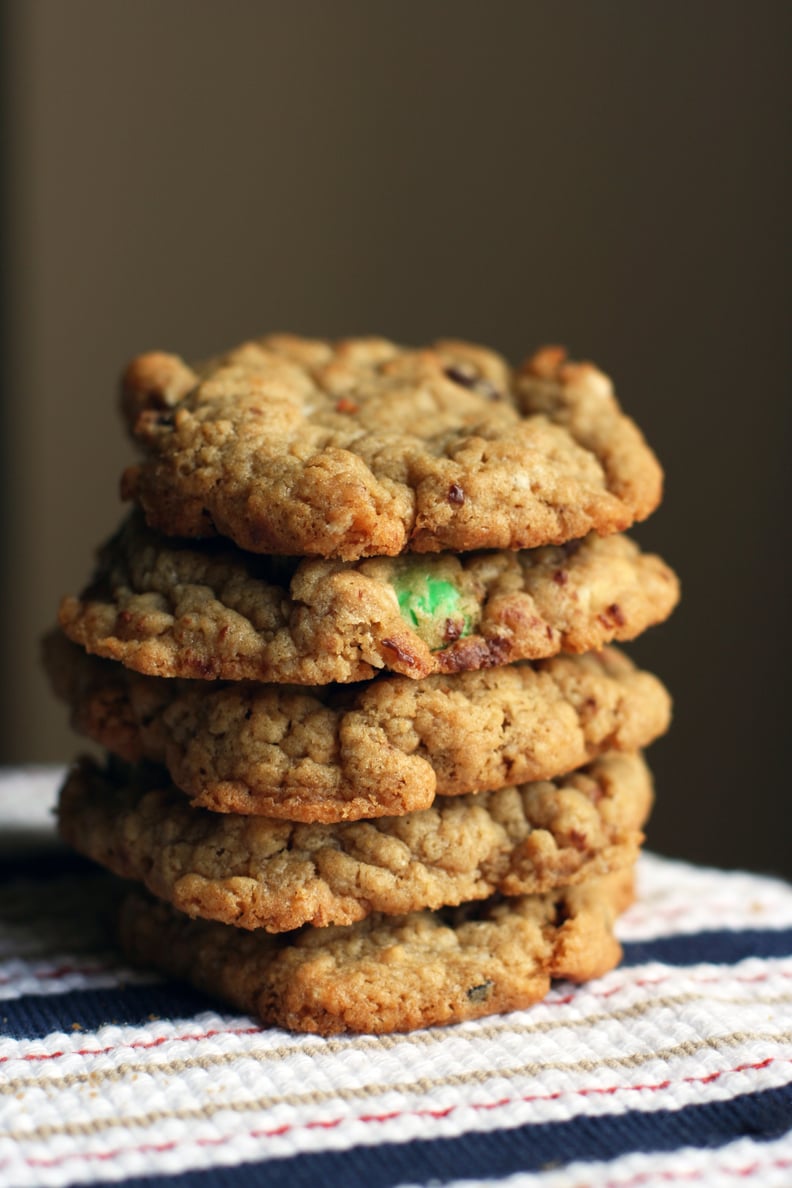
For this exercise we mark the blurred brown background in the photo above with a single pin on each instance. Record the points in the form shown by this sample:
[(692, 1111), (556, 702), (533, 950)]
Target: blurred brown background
[(185, 173)]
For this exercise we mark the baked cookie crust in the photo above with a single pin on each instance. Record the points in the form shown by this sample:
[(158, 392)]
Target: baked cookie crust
[(259, 872), (169, 608), (363, 448), (389, 973), (379, 749)]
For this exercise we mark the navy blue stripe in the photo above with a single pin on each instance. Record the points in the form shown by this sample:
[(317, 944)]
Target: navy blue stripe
[(501, 1153), (43, 867), (37, 1015), (722, 947), (34, 1016)]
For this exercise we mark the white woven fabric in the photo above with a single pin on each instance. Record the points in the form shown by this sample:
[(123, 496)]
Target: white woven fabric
[(27, 807)]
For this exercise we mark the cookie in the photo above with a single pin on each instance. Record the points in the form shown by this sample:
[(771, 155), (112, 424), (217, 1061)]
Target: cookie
[(379, 749), (260, 872), (363, 448), (389, 973), (167, 608)]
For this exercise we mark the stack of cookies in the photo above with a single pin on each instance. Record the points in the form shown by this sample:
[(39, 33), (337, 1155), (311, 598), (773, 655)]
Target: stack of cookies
[(372, 758)]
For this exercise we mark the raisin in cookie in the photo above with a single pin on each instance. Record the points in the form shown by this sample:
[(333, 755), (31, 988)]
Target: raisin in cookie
[(167, 608), (363, 448), (389, 973), (379, 749), (260, 872)]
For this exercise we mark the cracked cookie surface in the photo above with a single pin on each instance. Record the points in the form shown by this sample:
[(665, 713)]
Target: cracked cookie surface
[(379, 749), (169, 608), (363, 448), (259, 872), (389, 973)]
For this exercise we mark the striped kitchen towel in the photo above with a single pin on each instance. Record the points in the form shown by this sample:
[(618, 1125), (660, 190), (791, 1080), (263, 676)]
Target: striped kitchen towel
[(674, 1068)]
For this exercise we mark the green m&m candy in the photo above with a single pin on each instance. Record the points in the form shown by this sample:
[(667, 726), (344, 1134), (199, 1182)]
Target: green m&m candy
[(432, 605)]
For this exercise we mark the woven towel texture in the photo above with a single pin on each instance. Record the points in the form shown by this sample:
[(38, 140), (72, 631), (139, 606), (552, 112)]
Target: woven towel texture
[(674, 1068)]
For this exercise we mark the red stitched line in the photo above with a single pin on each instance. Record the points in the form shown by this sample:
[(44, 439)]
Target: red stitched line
[(748, 1169), (550, 1000), (60, 971), (330, 1124), (701, 980), (137, 1044)]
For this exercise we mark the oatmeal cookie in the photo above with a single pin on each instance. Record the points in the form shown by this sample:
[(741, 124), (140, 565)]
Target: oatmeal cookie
[(363, 448), (379, 749), (167, 608), (260, 872), (389, 973)]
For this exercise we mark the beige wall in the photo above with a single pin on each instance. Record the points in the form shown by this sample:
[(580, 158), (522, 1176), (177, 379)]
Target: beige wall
[(609, 174)]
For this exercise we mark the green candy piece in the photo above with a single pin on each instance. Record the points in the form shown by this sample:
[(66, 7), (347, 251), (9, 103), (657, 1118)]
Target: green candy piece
[(428, 602)]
